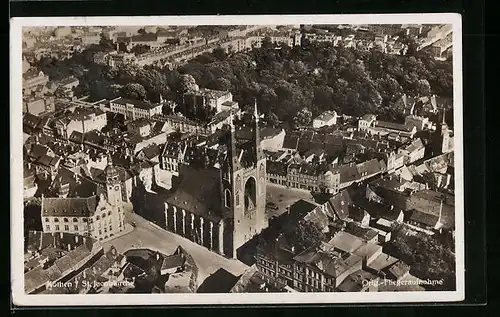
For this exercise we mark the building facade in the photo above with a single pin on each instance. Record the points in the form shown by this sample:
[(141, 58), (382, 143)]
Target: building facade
[(100, 217), (134, 109)]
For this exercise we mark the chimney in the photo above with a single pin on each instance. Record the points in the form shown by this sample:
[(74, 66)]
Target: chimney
[(392, 207)]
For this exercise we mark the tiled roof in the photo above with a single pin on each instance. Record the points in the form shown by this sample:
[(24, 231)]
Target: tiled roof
[(201, 197), (348, 173), (326, 116), (425, 218), (340, 204), (370, 167), (378, 210), (392, 126), (71, 207), (149, 37), (364, 233), (221, 281), (136, 103), (172, 261), (324, 258), (357, 281)]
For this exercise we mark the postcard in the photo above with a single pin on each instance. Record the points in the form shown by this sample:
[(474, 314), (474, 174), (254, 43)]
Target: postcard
[(274, 159)]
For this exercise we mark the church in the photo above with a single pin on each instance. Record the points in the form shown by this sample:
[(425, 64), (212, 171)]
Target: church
[(222, 206)]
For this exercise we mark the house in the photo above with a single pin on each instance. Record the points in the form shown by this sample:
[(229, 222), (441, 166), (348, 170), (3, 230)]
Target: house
[(52, 257), (34, 77), (141, 127), (205, 98), (81, 120), (384, 128), (38, 106), (360, 281), (134, 109), (327, 118), (340, 204), (419, 122), (68, 82), (413, 151), (254, 281), (30, 186), (366, 121), (431, 209)]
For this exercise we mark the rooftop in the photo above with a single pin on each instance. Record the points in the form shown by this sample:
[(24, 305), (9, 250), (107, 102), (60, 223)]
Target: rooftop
[(357, 281), (201, 197), (136, 103), (71, 207)]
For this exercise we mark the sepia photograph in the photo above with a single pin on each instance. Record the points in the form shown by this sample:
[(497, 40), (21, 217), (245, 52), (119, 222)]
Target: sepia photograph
[(272, 159)]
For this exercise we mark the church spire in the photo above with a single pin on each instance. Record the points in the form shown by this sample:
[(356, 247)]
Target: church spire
[(256, 112), (257, 133)]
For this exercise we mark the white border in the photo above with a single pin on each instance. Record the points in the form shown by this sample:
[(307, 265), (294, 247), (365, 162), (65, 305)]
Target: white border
[(17, 275)]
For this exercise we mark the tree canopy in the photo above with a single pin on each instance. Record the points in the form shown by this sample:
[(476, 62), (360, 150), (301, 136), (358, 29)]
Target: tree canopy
[(427, 256), (284, 80)]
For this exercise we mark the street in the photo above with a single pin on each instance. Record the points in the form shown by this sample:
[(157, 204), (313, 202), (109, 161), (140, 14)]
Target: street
[(148, 235)]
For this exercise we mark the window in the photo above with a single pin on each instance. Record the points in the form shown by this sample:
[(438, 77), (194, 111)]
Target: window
[(46, 219), (57, 227), (47, 227), (110, 228), (56, 219), (66, 220), (76, 227), (104, 215), (85, 220), (66, 227), (97, 217), (100, 232), (75, 220)]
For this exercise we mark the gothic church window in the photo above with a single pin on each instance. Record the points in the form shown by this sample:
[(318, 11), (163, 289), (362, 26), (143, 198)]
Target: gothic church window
[(227, 198)]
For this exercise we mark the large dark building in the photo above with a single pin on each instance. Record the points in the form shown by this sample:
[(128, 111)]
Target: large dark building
[(222, 207)]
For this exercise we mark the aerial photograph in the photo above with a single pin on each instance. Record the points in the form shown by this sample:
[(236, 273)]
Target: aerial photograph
[(238, 159)]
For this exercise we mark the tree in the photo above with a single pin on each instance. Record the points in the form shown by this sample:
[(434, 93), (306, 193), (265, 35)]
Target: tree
[(188, 83), (428, 257), (304, 235), (303, 117), (423, 87), (221, 84), (134, 91), (219, 53), (140, 49)]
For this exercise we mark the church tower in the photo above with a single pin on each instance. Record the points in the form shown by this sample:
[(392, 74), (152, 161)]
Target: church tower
[(243, 189), (113, 184), (441, 139)]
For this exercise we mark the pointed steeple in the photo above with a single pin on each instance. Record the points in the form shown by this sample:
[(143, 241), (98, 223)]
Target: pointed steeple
[(256, 112), (257, 133)]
